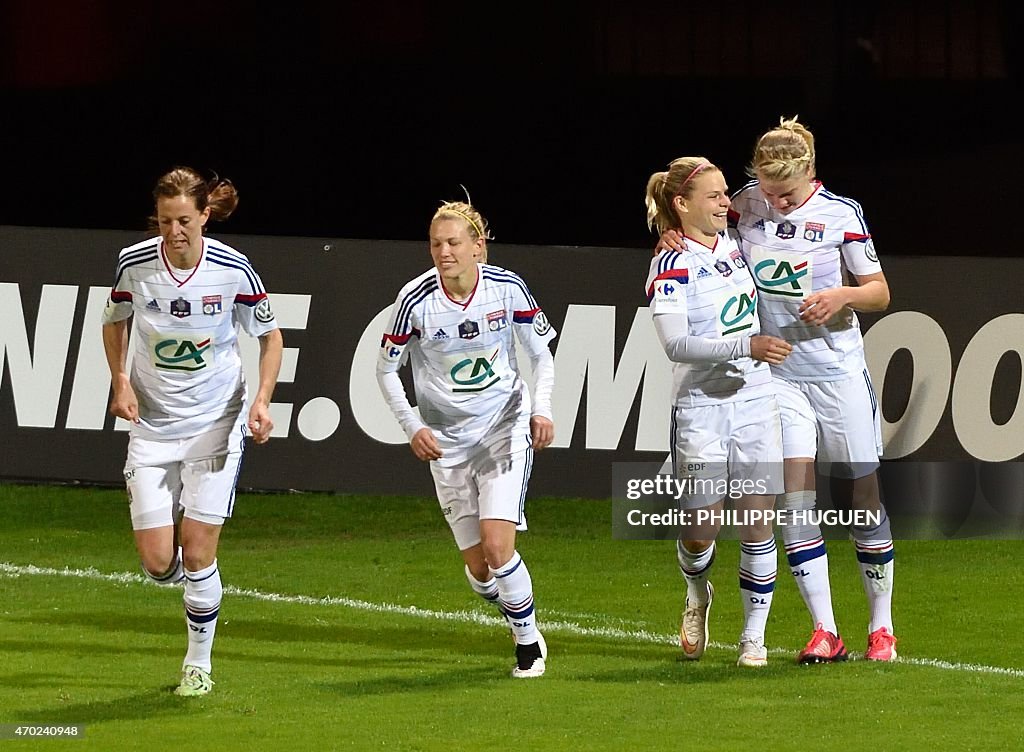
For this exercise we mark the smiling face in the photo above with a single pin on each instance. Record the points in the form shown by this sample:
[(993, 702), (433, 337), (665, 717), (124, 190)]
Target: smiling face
[(181, 226), (704, 212), (786, 195), (455, 254)]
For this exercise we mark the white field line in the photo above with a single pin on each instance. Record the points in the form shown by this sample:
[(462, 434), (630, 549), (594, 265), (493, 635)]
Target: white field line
[(472, 617)]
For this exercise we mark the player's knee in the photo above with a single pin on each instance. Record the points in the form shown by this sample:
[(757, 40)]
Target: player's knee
[(497, 553), (695, 546), (196, 561), (163, 567)]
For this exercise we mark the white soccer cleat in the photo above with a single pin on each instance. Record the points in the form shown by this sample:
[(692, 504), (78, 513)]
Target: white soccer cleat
[(195, 682), (693, 632), (529, 664), (753, 653)]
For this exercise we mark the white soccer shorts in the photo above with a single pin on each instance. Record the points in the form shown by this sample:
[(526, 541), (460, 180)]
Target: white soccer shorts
[(194, 476), (490, 485), (836, 421), (735, 445)]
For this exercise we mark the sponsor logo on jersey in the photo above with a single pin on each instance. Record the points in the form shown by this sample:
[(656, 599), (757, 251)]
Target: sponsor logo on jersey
[(152, 305), (474, 373), (703, 273), (440, 334), (786, 230), (737, 259), (814, 231), (212, 304), (723, 268), (737, 314), (772, 275), (173, 352), (541, 325), (469, 329), (392, 346), (264, 313), (869, 250), (497, 320), (181, 308)]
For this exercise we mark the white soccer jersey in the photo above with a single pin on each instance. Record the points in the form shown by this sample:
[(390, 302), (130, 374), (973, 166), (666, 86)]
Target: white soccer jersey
[(463, 356), (713, 289), (186, 369), (795, 254)]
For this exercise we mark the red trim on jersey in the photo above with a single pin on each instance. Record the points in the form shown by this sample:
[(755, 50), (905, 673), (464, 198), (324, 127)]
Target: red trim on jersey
[(709, 247), (682, 276), (120, 296), (733, 215), (170, 269), (854, 237), (462, 304), (250, 300), (398, 339), (524, 317), (817, 187)]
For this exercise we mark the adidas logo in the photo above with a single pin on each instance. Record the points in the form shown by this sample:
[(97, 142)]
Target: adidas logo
[(152, 305), (703, 273), (440, 334), (759, 224)]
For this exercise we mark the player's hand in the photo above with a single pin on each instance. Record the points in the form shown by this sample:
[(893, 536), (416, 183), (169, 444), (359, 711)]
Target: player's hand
[(424, 445), (670, 240), (820, 307), (769, 349), (124, 403), (260, 424), (542, 430)]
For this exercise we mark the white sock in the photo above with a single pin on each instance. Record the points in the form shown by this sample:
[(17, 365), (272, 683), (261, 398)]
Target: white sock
[(759, 563), (876, 569), (695, 568), (808, 561), (515, 596), (203, 592), (486, 590)]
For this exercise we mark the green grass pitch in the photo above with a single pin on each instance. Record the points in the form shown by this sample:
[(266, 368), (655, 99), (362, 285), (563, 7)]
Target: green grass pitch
[(347, 624)]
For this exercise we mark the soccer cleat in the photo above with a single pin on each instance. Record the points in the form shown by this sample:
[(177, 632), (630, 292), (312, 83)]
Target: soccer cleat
[(823, 647), (195, 682), (753, 653), (881, 645), (693, 632), (530, 659)]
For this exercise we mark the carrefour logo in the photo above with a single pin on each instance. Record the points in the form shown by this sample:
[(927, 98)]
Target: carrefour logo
[(474, 374), (781, 277), (737, 313), (171, 353)]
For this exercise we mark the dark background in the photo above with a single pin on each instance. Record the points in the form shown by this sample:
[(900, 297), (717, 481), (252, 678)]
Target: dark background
[(355, 120)]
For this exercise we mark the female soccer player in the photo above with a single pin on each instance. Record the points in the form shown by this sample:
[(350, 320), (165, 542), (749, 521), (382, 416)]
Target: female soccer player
[(725, 421), (802, 242), (477, 424), (186, 396)]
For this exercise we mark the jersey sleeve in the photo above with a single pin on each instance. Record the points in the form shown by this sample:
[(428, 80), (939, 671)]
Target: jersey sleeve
[(400, 330), (119, 302), (532, 327), (858, 248), (252, 306), (666, 283)]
